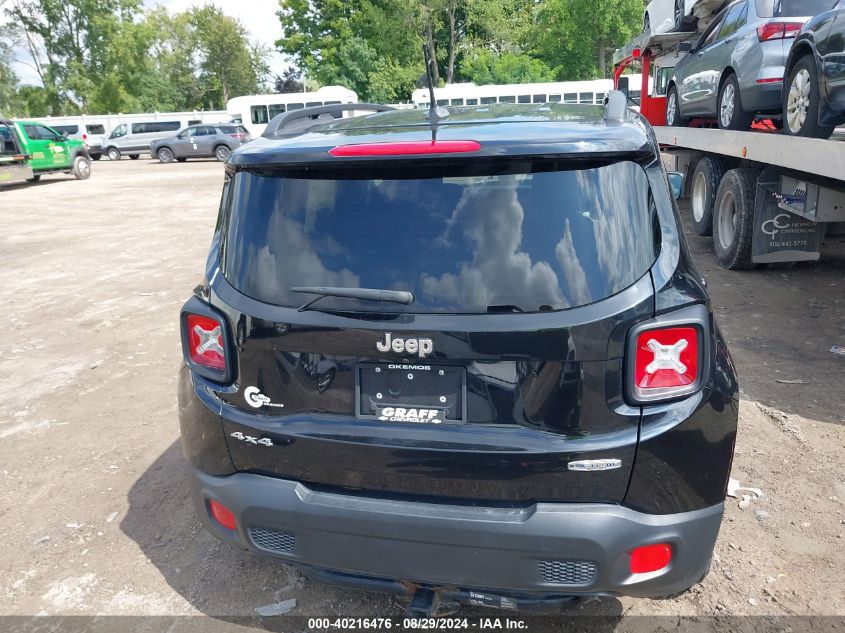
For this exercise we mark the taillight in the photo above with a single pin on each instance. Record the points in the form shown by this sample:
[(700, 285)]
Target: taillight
[(222, 515), (778, 30), (406, 148), (667, 360), (240, 137), (205, 341), (84, 137), (650, 558)]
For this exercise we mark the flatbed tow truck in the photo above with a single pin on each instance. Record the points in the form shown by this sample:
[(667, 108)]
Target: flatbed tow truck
[(765, 197)]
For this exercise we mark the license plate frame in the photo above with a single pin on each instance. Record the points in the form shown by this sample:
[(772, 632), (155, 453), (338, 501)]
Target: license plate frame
[(419, 400)]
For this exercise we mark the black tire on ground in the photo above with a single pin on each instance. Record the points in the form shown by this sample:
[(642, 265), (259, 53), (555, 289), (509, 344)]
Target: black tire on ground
[(733, 218), (221, 153), (729, 110), (164, 155), (35, 178), (705, 183), (81, 169), (113, 153), (673, 109), (96, 156), (801, 101), (134, 156), (182, 159)]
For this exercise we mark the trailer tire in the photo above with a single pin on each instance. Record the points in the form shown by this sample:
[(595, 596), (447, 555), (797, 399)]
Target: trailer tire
[(705, 184), (733, 218)]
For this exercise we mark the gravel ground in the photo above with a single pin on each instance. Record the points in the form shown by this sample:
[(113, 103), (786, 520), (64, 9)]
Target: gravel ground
[(94, 513)]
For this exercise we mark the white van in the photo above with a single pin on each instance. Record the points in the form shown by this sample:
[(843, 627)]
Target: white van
[(134, 138), (92, 134)]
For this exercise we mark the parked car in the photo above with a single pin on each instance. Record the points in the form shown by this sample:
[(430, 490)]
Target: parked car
[(51, 152), (133, 139), (736, 68), (427, 366), (200, 141), (92, 134), (814, 90), (14, 162), (669, 16)]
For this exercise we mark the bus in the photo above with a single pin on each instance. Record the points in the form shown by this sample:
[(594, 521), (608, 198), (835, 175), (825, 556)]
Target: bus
[(470, 94), (255, 111)]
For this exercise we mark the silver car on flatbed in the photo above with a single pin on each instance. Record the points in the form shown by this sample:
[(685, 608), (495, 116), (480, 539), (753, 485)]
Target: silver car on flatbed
[(735, 70)]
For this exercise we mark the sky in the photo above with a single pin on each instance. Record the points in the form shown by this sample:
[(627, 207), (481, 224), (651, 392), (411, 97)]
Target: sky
[(258, 16)]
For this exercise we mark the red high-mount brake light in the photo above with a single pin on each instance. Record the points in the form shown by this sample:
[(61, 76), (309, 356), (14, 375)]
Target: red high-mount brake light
[(406, 148), (205, 341), (649, 558), (666, 361), (222, 515), (778, 30)]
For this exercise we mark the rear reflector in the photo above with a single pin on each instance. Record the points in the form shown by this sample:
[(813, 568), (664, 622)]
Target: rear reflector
[(205, 341), (650, 558), (222, 515), (770, 80), (666, 361), (778, 30), (406, 148)]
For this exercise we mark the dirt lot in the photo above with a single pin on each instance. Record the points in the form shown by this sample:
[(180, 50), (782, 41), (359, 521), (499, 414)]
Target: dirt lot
[(95, 517)]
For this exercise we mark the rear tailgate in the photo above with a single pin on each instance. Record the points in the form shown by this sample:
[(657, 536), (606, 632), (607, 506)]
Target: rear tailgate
[(502, 382)]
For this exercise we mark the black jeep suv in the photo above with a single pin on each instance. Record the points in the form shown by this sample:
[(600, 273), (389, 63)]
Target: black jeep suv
[(463, 358)]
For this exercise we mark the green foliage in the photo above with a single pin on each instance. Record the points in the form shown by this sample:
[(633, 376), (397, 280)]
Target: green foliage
[(577, 37), (483, 66), (107, 56)]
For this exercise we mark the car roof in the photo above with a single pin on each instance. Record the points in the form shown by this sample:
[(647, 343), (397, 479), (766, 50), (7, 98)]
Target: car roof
[(501, 130)]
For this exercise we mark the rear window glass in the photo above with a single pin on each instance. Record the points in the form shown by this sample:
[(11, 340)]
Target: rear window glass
[(95, 128), (793, 8), (474, 243), (67, 129)]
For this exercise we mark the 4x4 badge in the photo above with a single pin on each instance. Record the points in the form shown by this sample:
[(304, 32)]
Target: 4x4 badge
[(422, 347)]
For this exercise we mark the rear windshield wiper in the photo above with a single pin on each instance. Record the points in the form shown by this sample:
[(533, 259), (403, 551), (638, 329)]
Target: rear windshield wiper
[(364, 294)]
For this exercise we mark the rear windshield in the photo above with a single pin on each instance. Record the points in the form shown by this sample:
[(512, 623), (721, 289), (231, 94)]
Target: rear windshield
[(793, 8), (67, 129), (515, 242), (95, 128)]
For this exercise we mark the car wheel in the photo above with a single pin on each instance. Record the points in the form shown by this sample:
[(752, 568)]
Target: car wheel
[(673, 109), (729, 108), (733, 219), (35, 178), (96, 156), (81, 169), (801, 101), (165, 155), (221, 153), (134, 156), (705, 183), (182, 159), (113, 153)]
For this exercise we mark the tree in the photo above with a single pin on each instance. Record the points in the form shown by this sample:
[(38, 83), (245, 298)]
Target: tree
[(483, 66), (9, 98), (577, 37), (229, 65), (289, 81)]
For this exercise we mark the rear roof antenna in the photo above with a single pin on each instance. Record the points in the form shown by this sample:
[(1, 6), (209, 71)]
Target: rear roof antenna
[(435, 112)]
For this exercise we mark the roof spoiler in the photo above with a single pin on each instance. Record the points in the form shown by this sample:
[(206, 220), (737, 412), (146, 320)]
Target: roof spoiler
[(282, 123), (616, 106)]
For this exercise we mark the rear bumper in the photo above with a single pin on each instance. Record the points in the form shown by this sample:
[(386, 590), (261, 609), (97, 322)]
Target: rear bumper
[(540, 550)]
